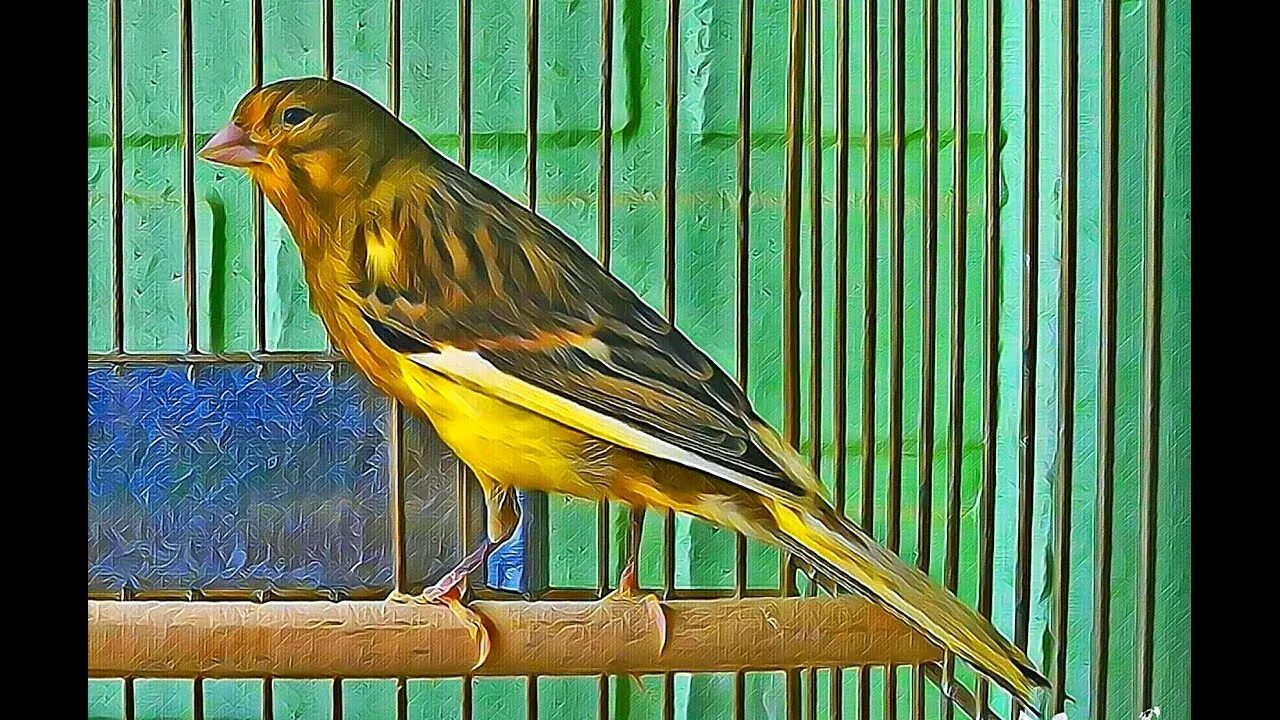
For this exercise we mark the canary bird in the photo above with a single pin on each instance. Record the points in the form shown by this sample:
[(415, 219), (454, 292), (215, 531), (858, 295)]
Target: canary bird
[(535, 365)]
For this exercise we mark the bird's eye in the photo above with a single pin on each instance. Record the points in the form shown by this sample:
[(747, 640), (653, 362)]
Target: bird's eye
[(295, 116)]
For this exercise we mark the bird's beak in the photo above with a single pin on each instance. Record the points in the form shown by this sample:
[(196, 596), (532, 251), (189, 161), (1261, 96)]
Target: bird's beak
[(231, 146)]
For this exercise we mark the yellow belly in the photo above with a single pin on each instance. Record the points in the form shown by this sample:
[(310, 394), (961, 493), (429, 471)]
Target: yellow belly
[(522, 449), (507, 443)]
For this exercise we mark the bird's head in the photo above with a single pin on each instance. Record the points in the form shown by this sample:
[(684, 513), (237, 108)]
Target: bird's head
[(310, 140)]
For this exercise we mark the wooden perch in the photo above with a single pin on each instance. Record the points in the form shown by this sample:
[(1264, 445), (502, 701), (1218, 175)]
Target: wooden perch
[(377, 640)]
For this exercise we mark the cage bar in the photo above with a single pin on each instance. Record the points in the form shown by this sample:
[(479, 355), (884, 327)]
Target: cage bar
[(791, 283), (1107, 340), (1153, 273), (743, 259), (1030, 324), (1066, 353), (536, 553), (395, 420), (990, 321), (335, 699), (870, 306), (670, 112), (531, 102), (464, 83), (268, 699), (326, 20), (197, 699), (259, 204), (604, 218), (959, 275), (897, 251), (116, 22), (929, 291), (742, 296), (188, 179), (928, 324), (840, 407), (815, 283)]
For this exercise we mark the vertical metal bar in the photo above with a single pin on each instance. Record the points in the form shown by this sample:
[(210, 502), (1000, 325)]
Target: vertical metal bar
[(896, 286), (840, 407), (531, 697), (929, 291), (791, 280), (466, 699), (928, 322), (605, 219), (326, 13), (398, 549), (402, 698), (128, 700), (1153, 288), (259, 219), (742, 321), (791, 237), (466, 695), (1099, 665), (197, 698), (672, 96), (268, 699), (605, 206), (532, 40), (464, 83), (117, 181), (465, 533), (741, 318), (395, 439), (1066, 354), (396, 430), (816, 314), (393, 57), (990, 321), (815, 238), (188, 180), (672, 90), (896, 251), (870, 190), (531, 103), (959, 273), (1030, 323), (335, 699)]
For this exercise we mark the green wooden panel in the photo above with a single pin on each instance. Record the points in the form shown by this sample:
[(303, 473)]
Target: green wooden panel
[(232, 699), (302, 699), (500, 698), (369, 699), (163, 699), (106, 700), (568, 149), (434, 699)]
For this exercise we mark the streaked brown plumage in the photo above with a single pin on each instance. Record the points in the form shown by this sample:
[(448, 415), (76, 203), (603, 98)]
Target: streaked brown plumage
[(536, 366)]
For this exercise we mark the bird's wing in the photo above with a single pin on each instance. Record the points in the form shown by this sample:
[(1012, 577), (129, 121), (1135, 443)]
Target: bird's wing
[(480, 289)]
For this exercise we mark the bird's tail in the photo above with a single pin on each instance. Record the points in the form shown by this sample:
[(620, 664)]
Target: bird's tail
[(818, 536)]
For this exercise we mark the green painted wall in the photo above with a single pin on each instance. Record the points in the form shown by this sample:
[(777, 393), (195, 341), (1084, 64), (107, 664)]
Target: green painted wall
[(567, 167)]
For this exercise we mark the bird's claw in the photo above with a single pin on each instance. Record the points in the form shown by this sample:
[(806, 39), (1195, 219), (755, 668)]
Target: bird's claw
[(475, 626), (451, 597), (629, 591)]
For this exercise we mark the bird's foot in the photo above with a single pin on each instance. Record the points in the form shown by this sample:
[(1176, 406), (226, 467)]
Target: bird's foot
[(629, 591), (450, 595)]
